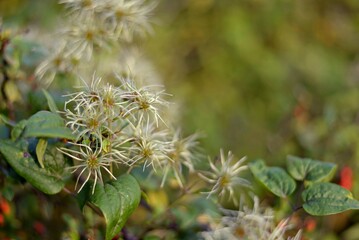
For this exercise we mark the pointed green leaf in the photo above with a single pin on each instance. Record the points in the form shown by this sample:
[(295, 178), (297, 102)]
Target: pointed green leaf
[(327, 198), (275, 179), (312, 171), (26, 167), (40, 151), (50, 101), (6, 121), (47, 124), (117, 200), (84, 195), (18, 129)]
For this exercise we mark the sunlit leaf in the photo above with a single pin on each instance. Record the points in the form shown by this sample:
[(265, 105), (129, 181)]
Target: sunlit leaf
[(117, 200), (327, 198), (310, 170), (40, 151), (24, 165), (275, 179)]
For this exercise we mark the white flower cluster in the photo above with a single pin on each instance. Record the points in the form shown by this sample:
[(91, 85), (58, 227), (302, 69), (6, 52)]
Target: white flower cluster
[(94, 25), (117, 19), (121, 126), (250, 223)]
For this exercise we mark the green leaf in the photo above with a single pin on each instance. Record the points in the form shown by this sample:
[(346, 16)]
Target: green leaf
[(40, 151), (47, 124), (312, 171), (275, 179), (27, 53), (26, 167), (117, 200), (55, 162), (18, 129), (8, 192), (6, 121), (50, 101), (83, 196), (327, 198)]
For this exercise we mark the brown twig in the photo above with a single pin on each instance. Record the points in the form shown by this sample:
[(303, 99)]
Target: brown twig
[(4, 65)]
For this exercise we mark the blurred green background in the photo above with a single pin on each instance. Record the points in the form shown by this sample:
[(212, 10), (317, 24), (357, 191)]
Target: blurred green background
[(264, 78), (261, 78)]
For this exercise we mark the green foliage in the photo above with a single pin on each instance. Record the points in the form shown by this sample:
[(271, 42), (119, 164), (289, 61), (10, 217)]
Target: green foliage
[(327, 198), (275, 179), (264, 69), (25, 165), (5, 120), (117, 200), (311, 171), (320, 197), (47, 124), (18, 129), (32, 152)]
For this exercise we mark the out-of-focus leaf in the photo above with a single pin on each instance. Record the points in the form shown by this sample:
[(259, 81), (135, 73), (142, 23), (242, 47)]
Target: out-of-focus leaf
[(12, 92), (152, 237), (117, 200), (8, 192), (352, 233), (158, 200), (50, 101), (28, 54), (275, 179), (26, 167), (6, 121), (327, 198)]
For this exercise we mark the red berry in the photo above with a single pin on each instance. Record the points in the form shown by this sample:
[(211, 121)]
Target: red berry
[(2, 220), (346, 178), (5, 207), (39, 228), (310, 224)]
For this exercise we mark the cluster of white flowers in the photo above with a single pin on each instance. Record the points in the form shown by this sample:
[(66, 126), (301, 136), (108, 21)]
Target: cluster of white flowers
[(94, 25), (120, 125), (251, 223), (117, 19)]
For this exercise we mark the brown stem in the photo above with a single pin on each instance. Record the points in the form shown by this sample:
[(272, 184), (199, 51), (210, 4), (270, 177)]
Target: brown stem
[(4, 65)]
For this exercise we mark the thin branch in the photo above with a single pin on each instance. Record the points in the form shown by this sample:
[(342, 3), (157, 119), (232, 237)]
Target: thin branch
[(4, 66)]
